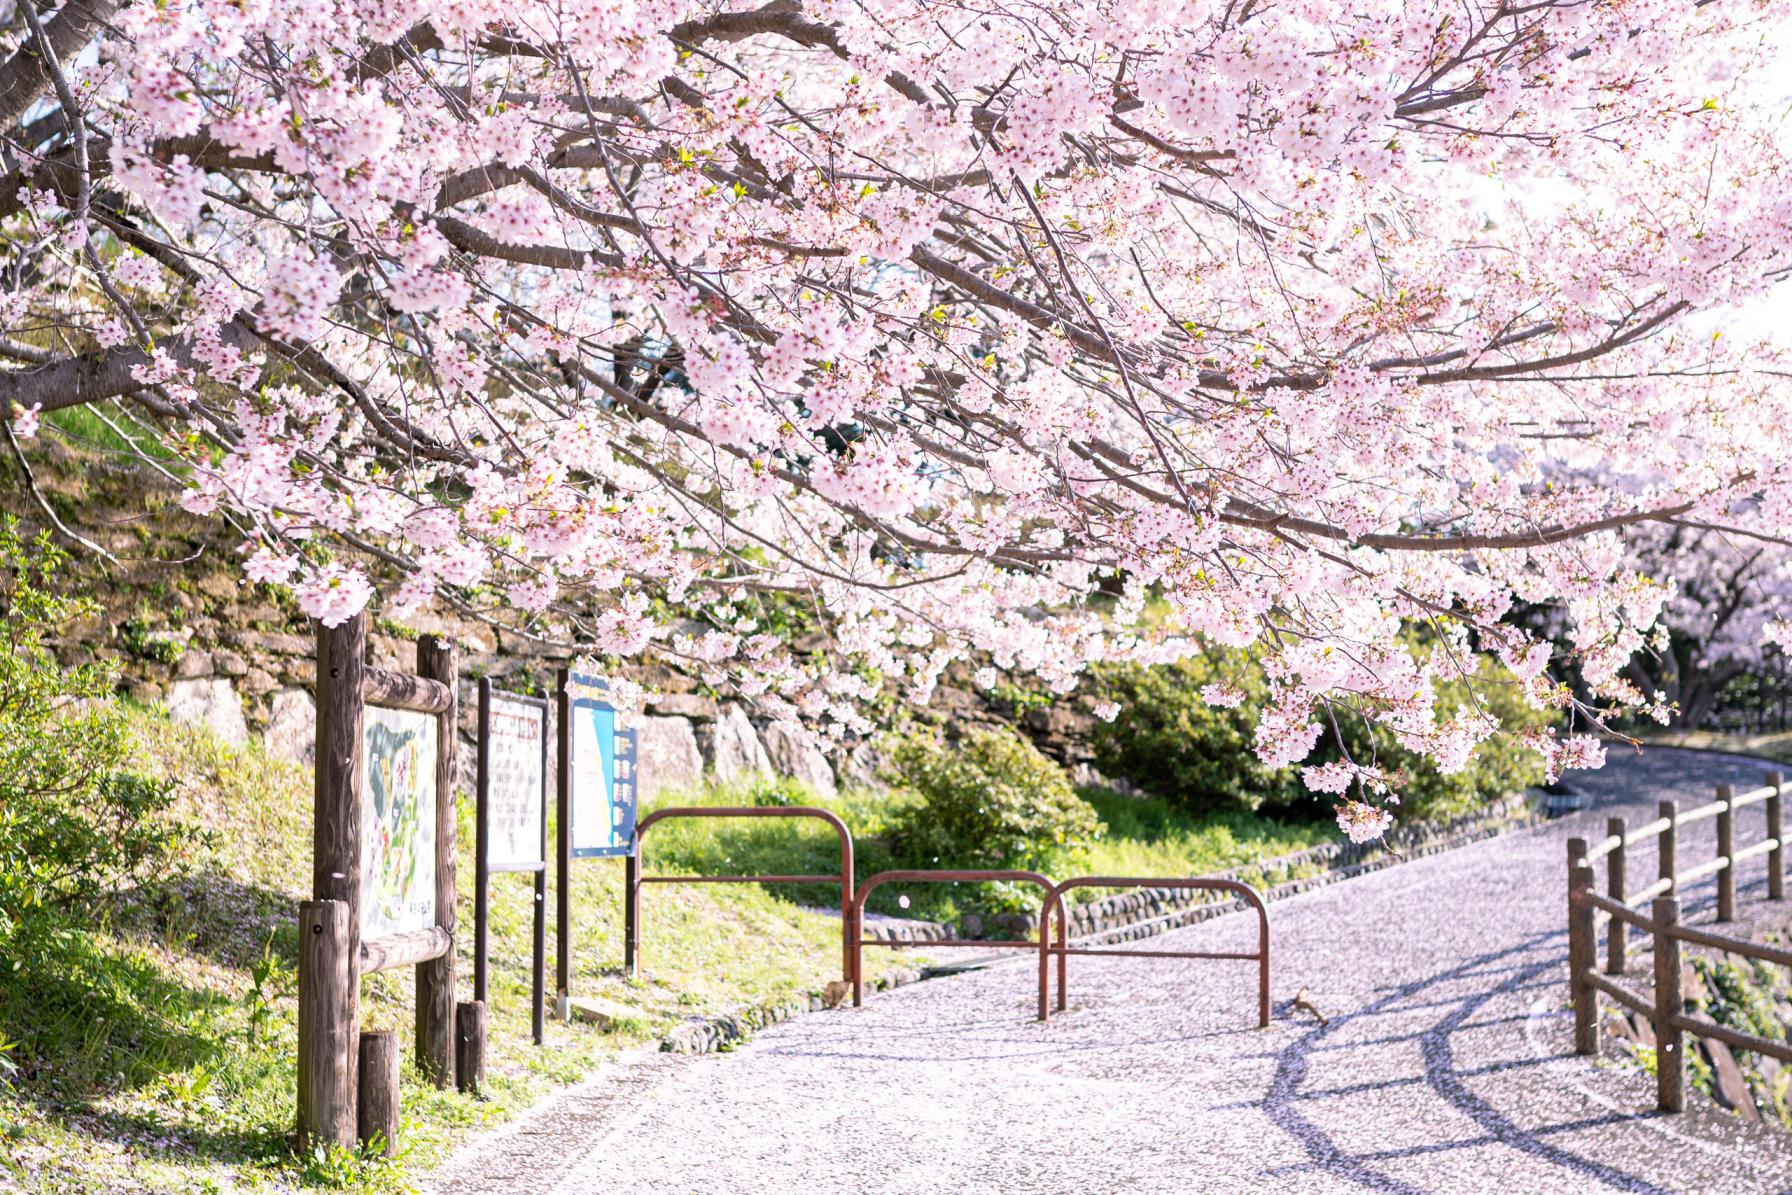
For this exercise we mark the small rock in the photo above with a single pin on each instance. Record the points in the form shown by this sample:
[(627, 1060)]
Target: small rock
[(220, 585), (193, 663), (735, 749), (685, 705), (863, 766), (292, 727), (212, 704), (668, 755), (228, 663), (257, 681), (1730, 1088), (793, 755), (595, 1010)]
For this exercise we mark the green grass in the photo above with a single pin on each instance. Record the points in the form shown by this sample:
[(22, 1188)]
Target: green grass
[(155, 1048), (1141, 836), (1776, 745)]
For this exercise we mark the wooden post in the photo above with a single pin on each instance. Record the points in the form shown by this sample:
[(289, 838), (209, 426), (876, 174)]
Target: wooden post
[(482, 829), (1666, 845), (1726, 849), (469, 1046), (330, 1004), (1670, 1040), (1582, 950), (563, 847), (1616, 937), (1776, 858), (436, 660), (378, 1117), (326, 1053)]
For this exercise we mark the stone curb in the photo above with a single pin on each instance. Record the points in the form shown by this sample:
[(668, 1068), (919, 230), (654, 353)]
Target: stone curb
[(713, 1035)]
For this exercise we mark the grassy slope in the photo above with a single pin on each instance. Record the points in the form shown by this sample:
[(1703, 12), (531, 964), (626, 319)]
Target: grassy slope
[(1143, 836), (1777, 746), (154, 1058)]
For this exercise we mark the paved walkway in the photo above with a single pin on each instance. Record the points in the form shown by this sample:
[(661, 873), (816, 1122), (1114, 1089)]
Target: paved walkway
[(1446, 1065)]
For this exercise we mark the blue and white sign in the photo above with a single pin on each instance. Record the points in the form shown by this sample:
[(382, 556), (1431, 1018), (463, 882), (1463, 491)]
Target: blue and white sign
[(602, 770)]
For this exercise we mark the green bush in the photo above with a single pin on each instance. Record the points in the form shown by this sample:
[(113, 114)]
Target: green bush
[(75, 826), (988, 800), (1170, 742)]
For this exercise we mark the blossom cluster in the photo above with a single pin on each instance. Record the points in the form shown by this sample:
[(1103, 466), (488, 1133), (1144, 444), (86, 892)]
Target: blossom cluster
[(823, 347)]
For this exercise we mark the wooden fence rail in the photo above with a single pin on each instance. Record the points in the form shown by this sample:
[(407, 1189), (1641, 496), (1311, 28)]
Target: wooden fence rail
[(1619, 910)]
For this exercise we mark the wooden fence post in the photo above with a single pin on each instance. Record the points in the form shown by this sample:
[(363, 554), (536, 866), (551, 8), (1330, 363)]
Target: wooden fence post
[(1582, 950), (330, 938), (378, 1116), (469, 1046), (1615, 942), (1670, 1040), (1726, 850), (327, 1065), (436, 660), (1666, 843), (1776, 858)]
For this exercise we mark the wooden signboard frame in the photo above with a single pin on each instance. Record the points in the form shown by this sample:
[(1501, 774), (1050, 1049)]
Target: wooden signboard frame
[(333, 1108), (484, 867), (626, 775)]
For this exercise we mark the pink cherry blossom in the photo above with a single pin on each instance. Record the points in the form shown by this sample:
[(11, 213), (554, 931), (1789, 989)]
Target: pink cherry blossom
[(1374, 341)]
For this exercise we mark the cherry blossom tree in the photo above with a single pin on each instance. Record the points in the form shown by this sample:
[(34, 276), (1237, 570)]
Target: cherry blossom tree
[(1728, 617), (1036, 333)]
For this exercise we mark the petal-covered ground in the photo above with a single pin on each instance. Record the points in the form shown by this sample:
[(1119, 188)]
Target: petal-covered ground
[(1445, 1066)]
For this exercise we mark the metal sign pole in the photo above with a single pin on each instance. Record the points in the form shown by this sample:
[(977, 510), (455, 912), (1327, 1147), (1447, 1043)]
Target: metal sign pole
[(482, 825), (563, 849)]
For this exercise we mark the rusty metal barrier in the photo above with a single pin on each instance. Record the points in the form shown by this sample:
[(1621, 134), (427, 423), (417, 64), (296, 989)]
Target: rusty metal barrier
[(634, 881), (1054, 900), (855, 918)]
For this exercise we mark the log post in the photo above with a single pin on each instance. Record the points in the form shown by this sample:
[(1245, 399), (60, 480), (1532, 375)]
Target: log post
[(378, 1117), (330, 1005), (1582, 950), (436, 660), (327, 1063), (563, 847), (469, 1046), (1666, 844), (1726, 851), (1616, 939), (1670, 1040), (1776, 858)]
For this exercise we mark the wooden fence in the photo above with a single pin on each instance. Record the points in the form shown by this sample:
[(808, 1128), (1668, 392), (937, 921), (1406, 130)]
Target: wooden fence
[(1618, 911)]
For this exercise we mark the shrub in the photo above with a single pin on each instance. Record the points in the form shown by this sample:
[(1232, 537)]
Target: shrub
[(1170, 742), (75, 825), (988, 800)]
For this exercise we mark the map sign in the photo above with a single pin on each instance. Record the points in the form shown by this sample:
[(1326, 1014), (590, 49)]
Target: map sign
[(603, 774), (398, 822), (514, 739)]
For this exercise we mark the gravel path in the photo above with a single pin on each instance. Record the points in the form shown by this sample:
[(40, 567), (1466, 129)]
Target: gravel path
[(1446, 1065)]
